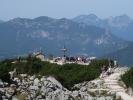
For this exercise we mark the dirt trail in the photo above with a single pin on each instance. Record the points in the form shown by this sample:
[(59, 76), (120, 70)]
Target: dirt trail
[(112, 83)]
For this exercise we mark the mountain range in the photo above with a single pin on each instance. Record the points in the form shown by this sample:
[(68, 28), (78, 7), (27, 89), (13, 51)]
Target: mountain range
[(121, 26), (22, 35)]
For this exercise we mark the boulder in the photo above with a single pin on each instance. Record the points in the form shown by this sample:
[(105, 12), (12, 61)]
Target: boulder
[(75, 93), (83, 89), (33, 88), (10, 91), (23, 75), (43, 79), (54, 81), (36, 82), (32, 78), (1, 83), (2, 90)]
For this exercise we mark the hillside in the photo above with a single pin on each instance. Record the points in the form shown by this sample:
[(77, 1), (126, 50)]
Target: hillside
[(120, 26), (21, 35), (124, 56), (29, 78), (67, 74)]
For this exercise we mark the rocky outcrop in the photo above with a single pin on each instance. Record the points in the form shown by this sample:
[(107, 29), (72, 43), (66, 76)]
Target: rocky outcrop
[(46, 88), (26, 87)]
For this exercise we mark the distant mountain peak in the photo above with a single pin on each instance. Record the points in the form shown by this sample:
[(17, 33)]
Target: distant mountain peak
[(64, 19), (124, 16), (89, 17), (42, 18), (119, 21), (92, 16), (19, 20)]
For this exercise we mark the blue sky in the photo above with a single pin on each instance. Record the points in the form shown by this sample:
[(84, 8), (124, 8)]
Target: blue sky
[(64, 8)]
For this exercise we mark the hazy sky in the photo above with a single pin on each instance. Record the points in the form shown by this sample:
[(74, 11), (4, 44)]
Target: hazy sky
[(64, 8)]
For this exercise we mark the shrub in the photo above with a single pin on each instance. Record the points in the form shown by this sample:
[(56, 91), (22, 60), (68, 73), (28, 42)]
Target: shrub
[(127, 78), (68, 74)]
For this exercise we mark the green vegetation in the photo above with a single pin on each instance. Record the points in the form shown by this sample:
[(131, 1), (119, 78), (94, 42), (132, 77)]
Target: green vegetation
[(5, 67), (127, 78), (21, 97), (68, 74)]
